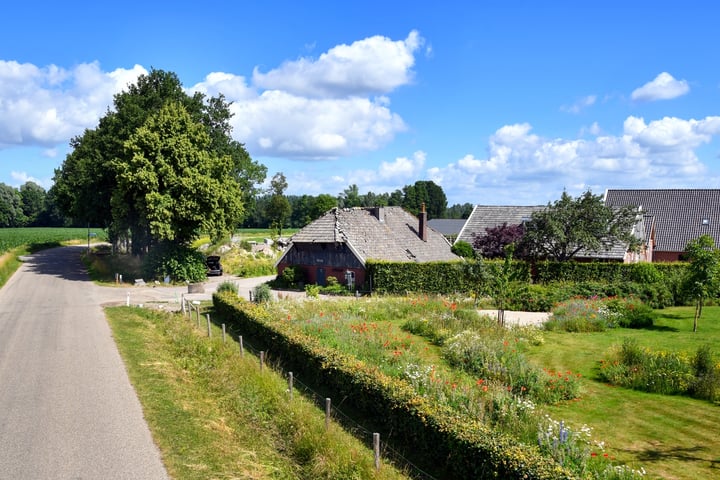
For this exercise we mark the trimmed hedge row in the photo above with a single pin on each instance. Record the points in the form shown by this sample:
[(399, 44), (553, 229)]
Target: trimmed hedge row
[(659, 285), (609, 272), (460, 448), (432, 277)]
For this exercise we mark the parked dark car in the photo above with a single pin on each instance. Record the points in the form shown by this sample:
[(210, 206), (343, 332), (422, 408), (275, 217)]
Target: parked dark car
[(214, 267)]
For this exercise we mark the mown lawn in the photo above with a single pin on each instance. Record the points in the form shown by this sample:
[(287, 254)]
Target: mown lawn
[(670, 436)]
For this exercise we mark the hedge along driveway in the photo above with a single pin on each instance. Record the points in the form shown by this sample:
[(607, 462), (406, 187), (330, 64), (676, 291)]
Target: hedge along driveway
[(465, 449)]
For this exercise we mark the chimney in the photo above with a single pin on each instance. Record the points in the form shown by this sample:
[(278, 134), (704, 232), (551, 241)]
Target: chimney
[(379, 213), (422, 227)]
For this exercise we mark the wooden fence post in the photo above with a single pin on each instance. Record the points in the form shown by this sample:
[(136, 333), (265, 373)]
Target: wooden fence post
[(223, 330), (327, 413), (208, 325), (242, 350), (262, 359), (376, 449)]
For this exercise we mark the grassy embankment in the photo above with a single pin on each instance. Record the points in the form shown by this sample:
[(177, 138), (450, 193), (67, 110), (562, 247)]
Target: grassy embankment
[(215, 414)]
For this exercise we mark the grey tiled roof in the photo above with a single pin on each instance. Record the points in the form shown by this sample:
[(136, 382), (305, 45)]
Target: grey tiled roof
[(447, 226), (393, 236), (487, 216), (679, 214)]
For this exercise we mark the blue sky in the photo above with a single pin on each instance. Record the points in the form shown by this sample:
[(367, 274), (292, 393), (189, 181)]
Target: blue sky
[(500, 103)]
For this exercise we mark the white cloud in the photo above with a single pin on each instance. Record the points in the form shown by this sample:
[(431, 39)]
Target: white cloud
[(580, 104), (47, 106), (234, 87), (366, 67), (278, 123), (521, 165), (663, 87), (403, 167), (20, 178)]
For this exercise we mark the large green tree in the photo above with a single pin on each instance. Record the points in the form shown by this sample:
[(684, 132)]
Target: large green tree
[(278, 208), (702, 277), (86, 185), (175, 184), (570, 225), (32, 197), (11, 211), (427, 192)]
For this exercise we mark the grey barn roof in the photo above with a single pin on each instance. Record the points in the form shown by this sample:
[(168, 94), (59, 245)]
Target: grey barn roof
[(680, 215), (488, 216), (447, 226), (378, 233)]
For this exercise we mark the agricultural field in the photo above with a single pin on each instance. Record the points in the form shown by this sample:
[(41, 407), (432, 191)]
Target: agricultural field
[(40, 236), (538, 383)]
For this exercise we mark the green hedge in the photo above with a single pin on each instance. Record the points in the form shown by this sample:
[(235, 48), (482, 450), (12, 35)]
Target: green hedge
[(430, 277), (460, 449), (608, 272), (658, 285)]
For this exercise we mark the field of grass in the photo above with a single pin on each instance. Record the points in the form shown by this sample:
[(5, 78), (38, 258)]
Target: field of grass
[(673, 437), (15, 242), (41, 237), (215, 414)]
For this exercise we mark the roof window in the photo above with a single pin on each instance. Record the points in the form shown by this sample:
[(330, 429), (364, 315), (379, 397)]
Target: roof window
[(706, 221)]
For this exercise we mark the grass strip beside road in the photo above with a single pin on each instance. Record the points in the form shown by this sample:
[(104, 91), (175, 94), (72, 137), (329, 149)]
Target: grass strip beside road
[(214, 414)]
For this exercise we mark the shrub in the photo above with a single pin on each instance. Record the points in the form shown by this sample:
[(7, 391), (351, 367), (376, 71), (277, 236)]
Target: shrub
[(669, 373), (707, 375), (228, 287), (580, 315), (463, 249), (312, 290), (631, 312), (262, 293), (179, 262), (290, 274)]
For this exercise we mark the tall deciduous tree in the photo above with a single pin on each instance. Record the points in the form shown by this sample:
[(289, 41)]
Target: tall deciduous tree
[(11, 211), (496, 239), (32, 196), (88, 178), (427, 192), (584, 223), (176, 184), (702, 278), (278, 208)]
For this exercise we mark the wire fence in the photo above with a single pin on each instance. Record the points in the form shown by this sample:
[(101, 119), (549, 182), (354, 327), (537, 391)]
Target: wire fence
[(351, 425)]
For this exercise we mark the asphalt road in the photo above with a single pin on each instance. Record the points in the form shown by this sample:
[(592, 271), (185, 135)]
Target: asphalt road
[(67, 408)]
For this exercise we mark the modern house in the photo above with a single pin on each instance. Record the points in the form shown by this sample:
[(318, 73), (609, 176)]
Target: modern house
[(339, 243), (673, 217)]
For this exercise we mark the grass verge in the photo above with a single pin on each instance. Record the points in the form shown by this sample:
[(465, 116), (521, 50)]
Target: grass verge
[(214, 414)]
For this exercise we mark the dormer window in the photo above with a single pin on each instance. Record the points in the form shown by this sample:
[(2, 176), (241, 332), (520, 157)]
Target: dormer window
[(705, 221)]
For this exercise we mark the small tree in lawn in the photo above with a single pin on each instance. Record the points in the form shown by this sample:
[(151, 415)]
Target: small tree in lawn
[(703, 272), (499, 281)]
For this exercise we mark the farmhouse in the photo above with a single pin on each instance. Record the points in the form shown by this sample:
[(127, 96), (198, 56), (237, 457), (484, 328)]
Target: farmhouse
[(491, 216), (673, 218), (339, 243), (484, 217)]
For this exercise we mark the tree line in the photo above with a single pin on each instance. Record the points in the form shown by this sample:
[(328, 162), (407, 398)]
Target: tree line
[(30, 206), (274, 209)]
